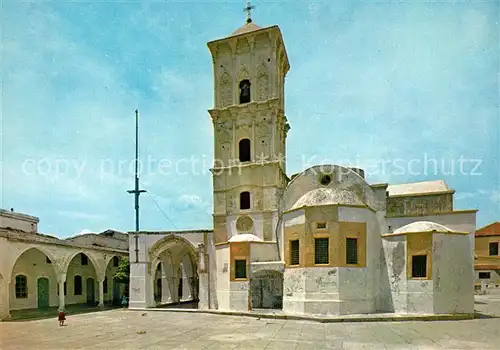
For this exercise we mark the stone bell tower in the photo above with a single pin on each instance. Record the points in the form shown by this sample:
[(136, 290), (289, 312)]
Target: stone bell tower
[(250, 130)]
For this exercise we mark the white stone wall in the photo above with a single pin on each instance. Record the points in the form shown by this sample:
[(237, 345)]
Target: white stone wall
[(359, 286), (18, 221), (419, 297), (311, 291), (463, 222), (261, 252), (223, 275), (394, 298), (239, 295), (452, 274)]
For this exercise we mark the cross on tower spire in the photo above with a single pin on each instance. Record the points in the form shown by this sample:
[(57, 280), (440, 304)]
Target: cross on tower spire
[(248, 9)]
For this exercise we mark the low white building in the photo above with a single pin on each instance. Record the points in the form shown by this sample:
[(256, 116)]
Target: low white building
[(40, 271), (320, 242)]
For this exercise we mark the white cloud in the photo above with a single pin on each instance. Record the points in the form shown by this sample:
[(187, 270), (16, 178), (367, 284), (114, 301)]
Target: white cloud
[(83, 232)]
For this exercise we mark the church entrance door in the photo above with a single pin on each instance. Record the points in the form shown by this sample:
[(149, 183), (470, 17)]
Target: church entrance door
[(43, 292), (266, 289)]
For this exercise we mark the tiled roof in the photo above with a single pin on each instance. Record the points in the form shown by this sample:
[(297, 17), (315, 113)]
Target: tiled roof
[(492, 229), (486, 267), (246, 28), (417, 188)]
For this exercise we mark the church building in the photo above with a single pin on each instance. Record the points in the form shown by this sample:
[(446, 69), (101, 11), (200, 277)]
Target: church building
[(321, 242)]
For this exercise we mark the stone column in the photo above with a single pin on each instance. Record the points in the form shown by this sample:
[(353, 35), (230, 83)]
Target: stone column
[(186, 285), (166, 296), (101, 293), (140, 286), (4, 299), (60, 284)]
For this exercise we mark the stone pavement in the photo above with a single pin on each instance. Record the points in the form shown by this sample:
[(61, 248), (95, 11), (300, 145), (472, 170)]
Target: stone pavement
[(124, 329)]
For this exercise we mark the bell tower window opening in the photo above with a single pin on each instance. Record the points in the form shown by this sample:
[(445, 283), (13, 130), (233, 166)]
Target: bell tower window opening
[(244, 150), (245, 91), (245, 200)]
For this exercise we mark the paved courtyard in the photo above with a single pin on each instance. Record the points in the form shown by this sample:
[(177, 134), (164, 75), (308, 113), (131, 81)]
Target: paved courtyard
[(123, 329)]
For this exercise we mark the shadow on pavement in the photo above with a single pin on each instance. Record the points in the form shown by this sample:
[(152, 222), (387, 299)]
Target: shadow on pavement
[(182, 305), (38, 314)]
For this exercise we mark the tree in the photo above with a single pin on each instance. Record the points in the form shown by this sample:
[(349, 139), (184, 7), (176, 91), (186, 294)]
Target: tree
[(122, 274)]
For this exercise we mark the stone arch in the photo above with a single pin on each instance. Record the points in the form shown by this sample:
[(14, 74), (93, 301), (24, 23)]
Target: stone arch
[(114, 290), (48, 254), (93, 259), (164, 243), (31, 262), (173, 252), (91, 274)]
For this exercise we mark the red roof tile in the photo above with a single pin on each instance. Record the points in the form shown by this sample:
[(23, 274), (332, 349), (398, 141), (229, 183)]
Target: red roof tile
[(492, 229)]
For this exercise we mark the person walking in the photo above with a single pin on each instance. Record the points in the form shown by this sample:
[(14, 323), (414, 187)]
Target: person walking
[(61, 318)]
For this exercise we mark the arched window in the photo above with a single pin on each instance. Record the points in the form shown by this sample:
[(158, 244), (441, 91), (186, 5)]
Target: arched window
[(84, 259), (245, 91), (77, 287), (245, 200), (244, 148), (21, 287)]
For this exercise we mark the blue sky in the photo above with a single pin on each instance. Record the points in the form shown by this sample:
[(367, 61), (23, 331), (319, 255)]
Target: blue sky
[(393, 82)]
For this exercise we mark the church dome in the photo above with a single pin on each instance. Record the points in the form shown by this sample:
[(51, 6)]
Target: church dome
[(327, 196), (245, 237), (422, 226), (246, 28)]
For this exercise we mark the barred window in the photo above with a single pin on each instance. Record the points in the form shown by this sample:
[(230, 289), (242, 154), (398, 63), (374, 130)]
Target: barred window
[(493, 248), (351, 251), (321, 251), (294, 252), (419, 266), (484, 275), (240, 269), (21, 286)]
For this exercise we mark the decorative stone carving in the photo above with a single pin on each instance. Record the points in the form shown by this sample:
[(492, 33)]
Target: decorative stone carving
[(418, 205), (226, 90), (244, 224), (262, 83), (243, 74)]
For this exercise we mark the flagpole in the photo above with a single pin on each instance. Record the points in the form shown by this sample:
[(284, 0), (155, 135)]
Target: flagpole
[(136, 190)]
